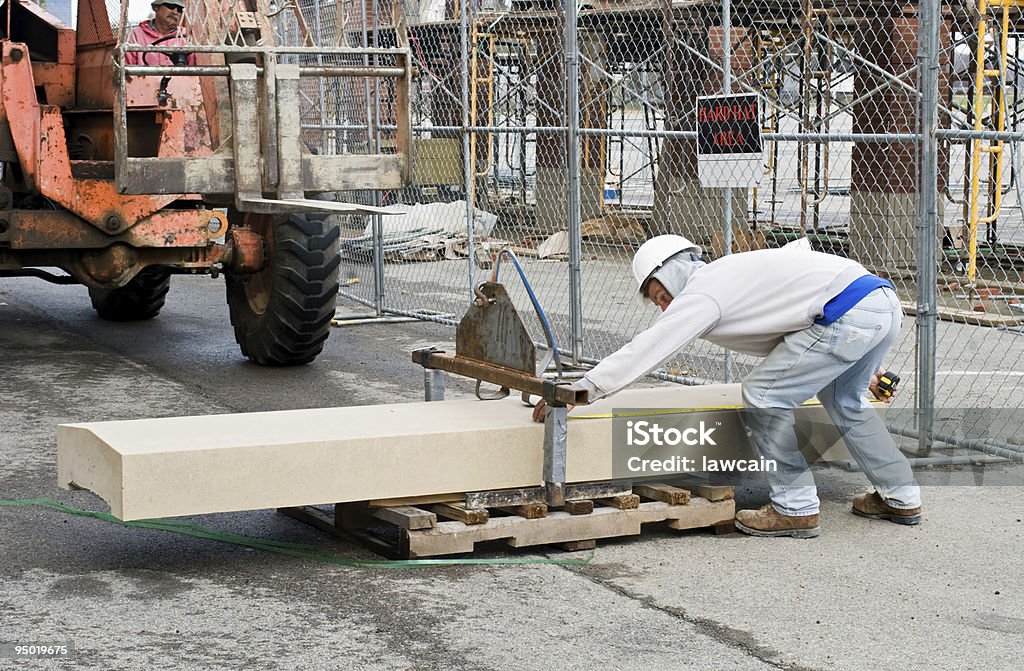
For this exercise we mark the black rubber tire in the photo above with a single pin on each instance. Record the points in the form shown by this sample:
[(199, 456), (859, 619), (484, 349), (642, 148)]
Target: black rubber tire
[(282, 314), (142, 298)]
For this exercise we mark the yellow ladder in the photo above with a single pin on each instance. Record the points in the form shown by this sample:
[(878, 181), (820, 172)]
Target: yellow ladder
[(994, 20), (486, 81)]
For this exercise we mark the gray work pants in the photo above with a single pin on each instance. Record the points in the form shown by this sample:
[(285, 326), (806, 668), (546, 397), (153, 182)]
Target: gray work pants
[(834, 362)]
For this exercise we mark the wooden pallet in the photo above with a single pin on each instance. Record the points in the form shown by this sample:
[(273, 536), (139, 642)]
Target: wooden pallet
[(414, 531)]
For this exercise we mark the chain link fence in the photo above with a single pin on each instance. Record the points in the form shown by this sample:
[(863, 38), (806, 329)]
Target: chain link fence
[(567, 133)]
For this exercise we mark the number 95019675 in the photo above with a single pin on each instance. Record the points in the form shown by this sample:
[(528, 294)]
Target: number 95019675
[(36, 650)]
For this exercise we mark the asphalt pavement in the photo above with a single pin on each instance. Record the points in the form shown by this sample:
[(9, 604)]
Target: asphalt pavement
[(864, 595)]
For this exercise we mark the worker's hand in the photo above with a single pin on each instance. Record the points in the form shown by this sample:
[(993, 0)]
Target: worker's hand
[(540, 410), (876, 392)]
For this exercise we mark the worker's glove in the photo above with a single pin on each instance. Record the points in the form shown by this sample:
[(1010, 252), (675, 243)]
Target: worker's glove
[(540, 406)]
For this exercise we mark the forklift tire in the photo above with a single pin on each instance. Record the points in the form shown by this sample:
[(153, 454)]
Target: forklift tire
[(282, 313), (142, 298)]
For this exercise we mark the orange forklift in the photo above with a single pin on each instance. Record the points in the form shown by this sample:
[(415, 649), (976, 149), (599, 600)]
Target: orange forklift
[(125, 171)]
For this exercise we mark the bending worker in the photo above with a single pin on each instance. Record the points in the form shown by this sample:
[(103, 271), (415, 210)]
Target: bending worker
[(823, 325)]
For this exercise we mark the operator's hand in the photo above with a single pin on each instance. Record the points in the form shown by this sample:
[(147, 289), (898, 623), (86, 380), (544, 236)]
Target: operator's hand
[(540, 410), (876, 392)]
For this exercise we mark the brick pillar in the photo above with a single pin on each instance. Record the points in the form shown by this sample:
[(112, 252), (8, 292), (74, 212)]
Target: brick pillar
[(884, 175), (681, 205)]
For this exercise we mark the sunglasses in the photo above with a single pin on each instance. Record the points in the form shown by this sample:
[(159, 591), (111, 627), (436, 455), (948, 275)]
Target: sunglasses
[(176, 8)]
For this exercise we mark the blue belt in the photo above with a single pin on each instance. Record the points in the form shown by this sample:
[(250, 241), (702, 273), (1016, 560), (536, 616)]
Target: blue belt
[(850, 296)]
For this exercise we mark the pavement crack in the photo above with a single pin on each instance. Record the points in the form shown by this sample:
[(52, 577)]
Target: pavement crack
[(724, 634)]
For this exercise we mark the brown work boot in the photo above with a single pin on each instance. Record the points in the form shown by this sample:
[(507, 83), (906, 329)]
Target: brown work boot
[(766, 521), (874, 507)]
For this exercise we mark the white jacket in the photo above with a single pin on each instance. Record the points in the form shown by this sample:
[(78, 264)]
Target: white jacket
[(745, 302)]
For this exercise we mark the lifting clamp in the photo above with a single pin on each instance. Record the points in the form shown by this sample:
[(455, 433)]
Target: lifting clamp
[(492, 345)]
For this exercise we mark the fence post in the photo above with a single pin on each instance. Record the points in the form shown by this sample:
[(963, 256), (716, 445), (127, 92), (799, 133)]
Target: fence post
[(572, 160), (727, 191), (927, 220), (372, 143), (321, 88), (468, 160)]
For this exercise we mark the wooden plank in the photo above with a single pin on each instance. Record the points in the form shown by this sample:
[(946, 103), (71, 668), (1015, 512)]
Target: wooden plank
[(531, 511), (561, 527), (327, 522), (712, 492), (623, 502), (459, 511), (723, 528), (406, 517), (701, 487), (312, 516), (661, 492), (579, 507), (704, 513), (416, 500), (350, 516), (576, 546), (374, 543)]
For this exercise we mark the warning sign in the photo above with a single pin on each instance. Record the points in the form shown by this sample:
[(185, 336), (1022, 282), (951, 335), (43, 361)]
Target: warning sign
[(728, 125), (729, 140)]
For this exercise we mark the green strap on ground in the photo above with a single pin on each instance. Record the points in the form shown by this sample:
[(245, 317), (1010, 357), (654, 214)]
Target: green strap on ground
[(297, 550)]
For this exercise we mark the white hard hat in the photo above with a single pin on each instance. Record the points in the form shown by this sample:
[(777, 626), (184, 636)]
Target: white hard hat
[(656, 251)]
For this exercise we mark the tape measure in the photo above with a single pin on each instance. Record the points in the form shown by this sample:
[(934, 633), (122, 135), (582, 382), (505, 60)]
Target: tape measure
[(887, 382)]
